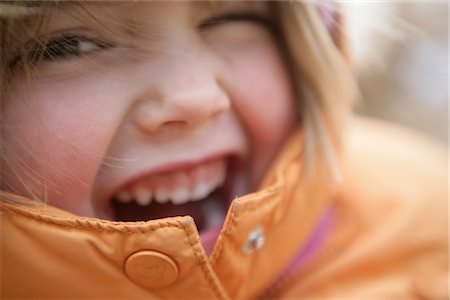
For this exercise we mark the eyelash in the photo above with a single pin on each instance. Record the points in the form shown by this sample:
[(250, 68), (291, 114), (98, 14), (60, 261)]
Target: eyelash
[(244, 17), (57, 48), (66, 46)]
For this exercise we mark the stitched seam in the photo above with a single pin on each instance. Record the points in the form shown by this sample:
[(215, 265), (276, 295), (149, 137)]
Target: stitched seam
[(202, 261), (99, 226), (266, 197), (232, 222), (259, 206), (219, 246), (235, 216), (264, 200)]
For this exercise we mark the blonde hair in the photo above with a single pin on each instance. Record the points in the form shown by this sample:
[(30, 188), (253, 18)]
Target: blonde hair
[(323, 79), (316, 58)]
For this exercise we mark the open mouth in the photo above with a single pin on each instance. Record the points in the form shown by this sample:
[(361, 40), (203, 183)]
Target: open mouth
[(203, 191)]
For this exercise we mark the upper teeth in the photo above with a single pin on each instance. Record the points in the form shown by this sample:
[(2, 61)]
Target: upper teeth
[(124, 196), (161, 195), (142, 195), (197, 183)]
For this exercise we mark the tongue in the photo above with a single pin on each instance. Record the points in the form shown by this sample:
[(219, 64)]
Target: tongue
[(207, 213)]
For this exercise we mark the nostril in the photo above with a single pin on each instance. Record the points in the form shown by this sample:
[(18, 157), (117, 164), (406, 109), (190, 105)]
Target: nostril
[(147, 116), (151, 117), (173, 124), (187, 108)]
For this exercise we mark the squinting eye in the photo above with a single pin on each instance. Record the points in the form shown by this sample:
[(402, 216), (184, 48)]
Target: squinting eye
[(237, 17), (64, 47)]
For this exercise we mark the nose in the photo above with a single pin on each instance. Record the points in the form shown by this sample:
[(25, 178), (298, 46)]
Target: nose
[(180, 92)]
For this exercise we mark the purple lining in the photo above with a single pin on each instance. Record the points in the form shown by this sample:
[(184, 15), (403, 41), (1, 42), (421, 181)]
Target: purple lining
[(313, 244)]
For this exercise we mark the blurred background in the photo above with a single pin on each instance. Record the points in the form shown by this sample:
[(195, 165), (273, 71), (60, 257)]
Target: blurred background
[(401, 58)]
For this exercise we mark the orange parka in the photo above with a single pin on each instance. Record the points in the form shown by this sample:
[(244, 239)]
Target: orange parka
[(380, 233)]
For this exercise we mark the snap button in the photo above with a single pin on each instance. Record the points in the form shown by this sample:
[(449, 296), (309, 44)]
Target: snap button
[(255, 240), (151, 269)]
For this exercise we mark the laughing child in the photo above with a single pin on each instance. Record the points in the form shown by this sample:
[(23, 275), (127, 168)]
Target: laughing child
[(205, 150)]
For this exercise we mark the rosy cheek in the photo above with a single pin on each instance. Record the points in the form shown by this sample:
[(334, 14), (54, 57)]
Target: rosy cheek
[(267, 106), (263, 98), (48, 162), (60, 136)]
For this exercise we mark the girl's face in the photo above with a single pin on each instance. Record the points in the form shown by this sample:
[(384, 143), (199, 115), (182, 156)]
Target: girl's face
[(145, 110)]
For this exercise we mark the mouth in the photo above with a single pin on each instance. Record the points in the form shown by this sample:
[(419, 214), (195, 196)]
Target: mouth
[(204, 191)]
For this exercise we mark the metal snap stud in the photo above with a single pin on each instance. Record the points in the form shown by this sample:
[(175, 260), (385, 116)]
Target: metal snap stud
[(255, 240)]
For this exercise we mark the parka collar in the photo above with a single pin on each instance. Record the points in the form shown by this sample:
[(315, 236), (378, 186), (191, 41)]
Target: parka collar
[(164, 258)]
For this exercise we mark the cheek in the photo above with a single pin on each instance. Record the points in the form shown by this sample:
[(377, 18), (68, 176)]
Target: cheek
[(264, 97), (264, 100), (56, 136), (267, 107), (264, 94)]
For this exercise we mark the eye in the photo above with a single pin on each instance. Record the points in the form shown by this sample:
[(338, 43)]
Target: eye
[(237, 17), (237, 32), (65, 47)]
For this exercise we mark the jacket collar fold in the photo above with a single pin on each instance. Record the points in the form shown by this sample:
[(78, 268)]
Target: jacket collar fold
[(262, 233)]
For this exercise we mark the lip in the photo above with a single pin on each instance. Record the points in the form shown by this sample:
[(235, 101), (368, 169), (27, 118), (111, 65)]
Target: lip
[(235, 160)]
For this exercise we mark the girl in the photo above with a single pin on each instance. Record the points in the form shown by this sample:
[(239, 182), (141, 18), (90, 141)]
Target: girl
[(197, 150)]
